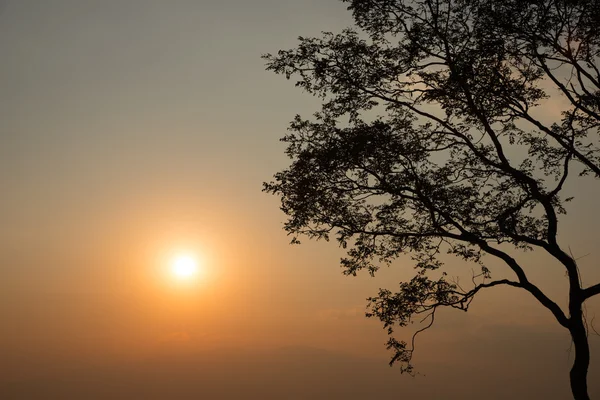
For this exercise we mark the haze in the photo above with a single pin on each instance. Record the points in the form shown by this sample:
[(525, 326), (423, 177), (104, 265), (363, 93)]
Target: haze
[(132, 129)]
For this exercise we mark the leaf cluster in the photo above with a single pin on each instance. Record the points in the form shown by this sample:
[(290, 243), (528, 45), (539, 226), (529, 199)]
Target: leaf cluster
[(428, 142)]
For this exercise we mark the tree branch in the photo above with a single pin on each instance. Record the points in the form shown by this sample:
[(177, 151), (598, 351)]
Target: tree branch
[(591, 291)]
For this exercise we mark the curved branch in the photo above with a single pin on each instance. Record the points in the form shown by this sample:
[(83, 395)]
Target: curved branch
[(527, 285)]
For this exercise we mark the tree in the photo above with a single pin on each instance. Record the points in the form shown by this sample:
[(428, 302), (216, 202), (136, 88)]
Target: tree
[(428, 142)]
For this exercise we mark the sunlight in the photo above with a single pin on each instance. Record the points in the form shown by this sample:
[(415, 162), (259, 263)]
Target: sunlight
[(184, 266)]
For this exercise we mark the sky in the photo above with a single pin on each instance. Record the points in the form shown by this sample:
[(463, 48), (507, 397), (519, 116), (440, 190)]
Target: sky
[(132, 130)]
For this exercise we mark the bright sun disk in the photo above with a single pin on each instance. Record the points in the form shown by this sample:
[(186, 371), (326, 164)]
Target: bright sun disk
[(184, 266)]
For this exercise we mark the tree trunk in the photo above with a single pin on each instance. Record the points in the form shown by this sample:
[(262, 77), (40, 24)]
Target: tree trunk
[(582, 359)]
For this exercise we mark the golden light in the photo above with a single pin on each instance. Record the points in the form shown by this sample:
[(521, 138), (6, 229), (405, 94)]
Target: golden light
[(184, 266)]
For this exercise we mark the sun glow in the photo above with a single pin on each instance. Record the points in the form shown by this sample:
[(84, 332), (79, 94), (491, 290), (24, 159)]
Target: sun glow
[(184, 266)]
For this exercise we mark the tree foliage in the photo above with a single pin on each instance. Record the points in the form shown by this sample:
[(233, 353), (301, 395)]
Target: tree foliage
[(430, 140)]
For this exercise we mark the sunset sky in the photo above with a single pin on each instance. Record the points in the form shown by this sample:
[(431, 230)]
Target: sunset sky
[(132, 131)]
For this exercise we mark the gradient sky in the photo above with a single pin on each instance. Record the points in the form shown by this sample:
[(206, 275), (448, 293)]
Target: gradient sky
[(132, 129)]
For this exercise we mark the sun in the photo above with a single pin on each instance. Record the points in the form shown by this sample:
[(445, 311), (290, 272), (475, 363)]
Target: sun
[(184, 266)]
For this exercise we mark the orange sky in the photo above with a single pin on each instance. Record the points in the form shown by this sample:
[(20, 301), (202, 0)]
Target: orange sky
[(131, 129)]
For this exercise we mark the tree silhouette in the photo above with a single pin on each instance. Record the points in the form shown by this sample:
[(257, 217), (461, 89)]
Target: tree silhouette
[(428, 142)]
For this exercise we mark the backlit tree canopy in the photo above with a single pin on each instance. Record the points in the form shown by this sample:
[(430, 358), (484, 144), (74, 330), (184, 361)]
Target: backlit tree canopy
[(431, 140)]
